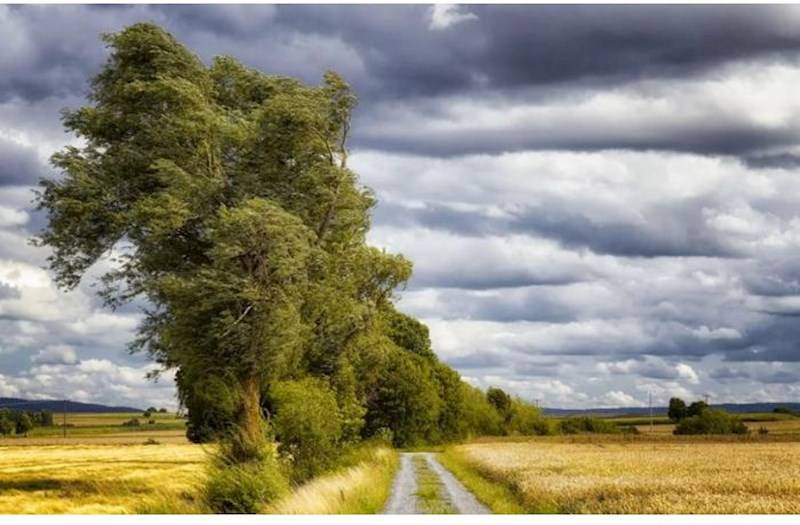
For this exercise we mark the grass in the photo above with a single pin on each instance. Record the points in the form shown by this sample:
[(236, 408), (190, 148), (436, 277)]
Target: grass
[(430, 491), (362, 488), (612, 475), (499, 497)]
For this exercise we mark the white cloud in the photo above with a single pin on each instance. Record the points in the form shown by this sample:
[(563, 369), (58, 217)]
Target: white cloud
[(56, 355), (444, 16)]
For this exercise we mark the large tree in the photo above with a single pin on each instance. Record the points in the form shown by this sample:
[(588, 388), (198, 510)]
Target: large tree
[(222, 195)]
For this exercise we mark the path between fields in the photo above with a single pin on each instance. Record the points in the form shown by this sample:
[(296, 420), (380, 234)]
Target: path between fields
[(403, 498)]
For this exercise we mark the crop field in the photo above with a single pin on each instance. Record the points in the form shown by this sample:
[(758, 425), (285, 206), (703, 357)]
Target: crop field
[(104, 428), (669, 475), (96, 478), (105, 468)]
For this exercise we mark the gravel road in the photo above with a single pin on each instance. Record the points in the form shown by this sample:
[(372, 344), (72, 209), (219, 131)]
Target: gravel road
[(403, 499)]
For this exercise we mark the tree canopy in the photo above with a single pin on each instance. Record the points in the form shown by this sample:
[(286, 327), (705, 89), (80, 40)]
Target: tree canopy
[(222, 196)]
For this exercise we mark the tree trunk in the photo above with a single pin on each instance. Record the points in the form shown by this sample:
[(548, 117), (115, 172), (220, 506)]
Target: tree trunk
[(251, 440)]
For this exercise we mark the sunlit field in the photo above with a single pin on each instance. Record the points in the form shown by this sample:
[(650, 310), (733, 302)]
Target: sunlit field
[(626, 475), (96, 478)]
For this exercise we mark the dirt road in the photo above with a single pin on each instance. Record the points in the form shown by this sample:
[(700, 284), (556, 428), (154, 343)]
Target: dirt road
[(404, 500)]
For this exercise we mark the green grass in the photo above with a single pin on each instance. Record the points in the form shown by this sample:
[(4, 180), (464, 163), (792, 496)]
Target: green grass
[(430, 491), (497, 496)]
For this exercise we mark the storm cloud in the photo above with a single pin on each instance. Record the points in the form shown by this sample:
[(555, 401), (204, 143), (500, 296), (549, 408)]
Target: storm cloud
[(601, 202)]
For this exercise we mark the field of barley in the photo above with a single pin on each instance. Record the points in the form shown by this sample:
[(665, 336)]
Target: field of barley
[(103, 479), (642, 475)]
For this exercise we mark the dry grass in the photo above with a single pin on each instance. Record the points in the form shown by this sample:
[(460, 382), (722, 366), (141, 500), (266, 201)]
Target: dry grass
[(640, 476), (361, 489), (96, 479)]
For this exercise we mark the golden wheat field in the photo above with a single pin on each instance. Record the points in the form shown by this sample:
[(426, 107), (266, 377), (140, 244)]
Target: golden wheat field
[(99, 479), (643, 476)]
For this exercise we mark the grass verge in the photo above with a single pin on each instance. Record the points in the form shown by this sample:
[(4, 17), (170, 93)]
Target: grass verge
[(430, 491), (362, 488), (499, 497)]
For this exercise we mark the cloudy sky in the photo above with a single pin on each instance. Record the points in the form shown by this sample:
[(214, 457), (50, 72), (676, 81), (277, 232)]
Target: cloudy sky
[(600, 202)]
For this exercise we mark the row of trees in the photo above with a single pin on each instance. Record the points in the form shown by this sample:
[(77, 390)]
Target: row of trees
[(23, 421), (226, 198)]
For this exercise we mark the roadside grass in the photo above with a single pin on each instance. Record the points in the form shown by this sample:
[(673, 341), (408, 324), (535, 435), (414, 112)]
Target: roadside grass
[(361, 488), (430, 490), (495, 494)]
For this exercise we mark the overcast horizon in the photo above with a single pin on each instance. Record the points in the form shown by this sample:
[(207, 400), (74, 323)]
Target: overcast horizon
[(600, 202)]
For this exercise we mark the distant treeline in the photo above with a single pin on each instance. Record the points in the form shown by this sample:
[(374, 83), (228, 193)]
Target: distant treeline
[(23, 421)]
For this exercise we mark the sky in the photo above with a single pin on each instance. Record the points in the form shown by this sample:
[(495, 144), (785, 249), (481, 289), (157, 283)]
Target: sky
[(601, 202)]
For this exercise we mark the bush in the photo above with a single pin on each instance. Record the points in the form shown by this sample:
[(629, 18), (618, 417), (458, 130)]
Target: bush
[(711, 421), (585, 424), (245, 488), (307, 425), (132, 422)]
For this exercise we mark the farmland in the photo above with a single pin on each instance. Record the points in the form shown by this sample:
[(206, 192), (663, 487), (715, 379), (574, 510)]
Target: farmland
[(643, 474), (104, 467)]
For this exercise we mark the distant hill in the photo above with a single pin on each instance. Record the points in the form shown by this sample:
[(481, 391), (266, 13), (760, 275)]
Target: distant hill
[(54, 405), (662, 411)]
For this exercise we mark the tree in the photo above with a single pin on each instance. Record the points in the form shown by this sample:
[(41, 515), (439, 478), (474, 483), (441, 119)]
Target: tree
[(677, 409), (225, 196), (24, 423), (7, 426), (500, 401), (696, 408)]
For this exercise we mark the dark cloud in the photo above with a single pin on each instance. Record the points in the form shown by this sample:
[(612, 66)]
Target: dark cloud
[(786, 161), (670, 231), (19, 165)]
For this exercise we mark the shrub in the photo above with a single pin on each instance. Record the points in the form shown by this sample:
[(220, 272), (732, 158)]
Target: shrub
[(711, 421), (307, 425), (585, 424), (244, 488), (132, 422)]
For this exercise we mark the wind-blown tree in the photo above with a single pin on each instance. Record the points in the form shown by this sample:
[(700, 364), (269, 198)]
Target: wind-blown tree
[(222, 195)]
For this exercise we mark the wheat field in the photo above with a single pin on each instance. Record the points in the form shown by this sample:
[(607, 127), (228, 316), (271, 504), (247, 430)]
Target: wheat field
[(640, 476), (102, 479)]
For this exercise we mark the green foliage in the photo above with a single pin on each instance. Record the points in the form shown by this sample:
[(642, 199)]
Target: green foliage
[(24, 423), (7, 425), (526, 419), (677, 409), (404, 399), (785, 410), (243, 488), (408, 333), (479, 416), (711, 421), (585, 424), (696, 408), (499, 400), (134, 422), (307, 425)]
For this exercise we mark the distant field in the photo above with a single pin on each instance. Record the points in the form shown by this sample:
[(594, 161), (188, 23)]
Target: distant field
[(104, 428), (616, 475), (774, 423)]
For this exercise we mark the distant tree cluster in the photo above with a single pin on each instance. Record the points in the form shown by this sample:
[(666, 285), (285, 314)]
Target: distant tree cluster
[(699, 418), (23, 421)]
